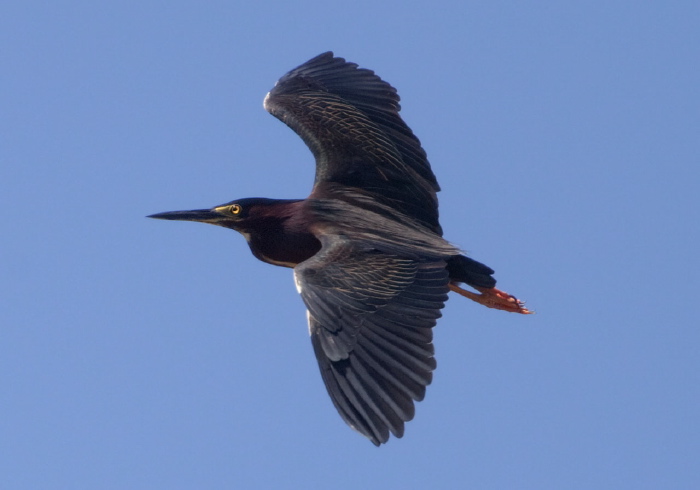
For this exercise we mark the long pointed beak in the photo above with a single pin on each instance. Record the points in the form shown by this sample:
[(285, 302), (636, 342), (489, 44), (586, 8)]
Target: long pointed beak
[(202, 215)]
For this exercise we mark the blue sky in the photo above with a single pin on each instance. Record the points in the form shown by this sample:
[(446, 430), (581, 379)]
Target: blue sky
[(144, 354)]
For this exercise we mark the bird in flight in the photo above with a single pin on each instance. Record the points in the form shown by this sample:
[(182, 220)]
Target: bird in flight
[(366, 246)]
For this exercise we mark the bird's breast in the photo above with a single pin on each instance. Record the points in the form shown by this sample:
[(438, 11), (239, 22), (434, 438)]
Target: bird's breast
[(284, 249)]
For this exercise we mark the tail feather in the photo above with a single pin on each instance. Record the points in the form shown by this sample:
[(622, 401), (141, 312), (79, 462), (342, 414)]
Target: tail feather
[(469, 271)]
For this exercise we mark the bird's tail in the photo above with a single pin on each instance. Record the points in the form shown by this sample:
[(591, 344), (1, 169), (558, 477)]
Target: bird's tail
[(479, 276), (469, 271)]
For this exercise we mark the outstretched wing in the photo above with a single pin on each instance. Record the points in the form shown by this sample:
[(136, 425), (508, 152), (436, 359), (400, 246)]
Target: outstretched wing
[(349, 118), (370, 319)]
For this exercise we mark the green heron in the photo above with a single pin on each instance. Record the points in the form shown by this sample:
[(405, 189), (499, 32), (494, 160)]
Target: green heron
[(366, 246)]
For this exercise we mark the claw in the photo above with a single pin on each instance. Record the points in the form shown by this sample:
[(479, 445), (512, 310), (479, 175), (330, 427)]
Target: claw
[(493, 298)]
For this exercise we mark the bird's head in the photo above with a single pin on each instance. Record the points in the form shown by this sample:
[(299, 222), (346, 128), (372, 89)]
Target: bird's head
[(240, 215)]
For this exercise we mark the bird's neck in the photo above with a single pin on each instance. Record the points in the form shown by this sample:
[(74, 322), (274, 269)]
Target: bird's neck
[(281, 236)]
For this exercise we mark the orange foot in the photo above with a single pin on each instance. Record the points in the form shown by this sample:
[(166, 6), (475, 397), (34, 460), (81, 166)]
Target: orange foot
[(493, 298)]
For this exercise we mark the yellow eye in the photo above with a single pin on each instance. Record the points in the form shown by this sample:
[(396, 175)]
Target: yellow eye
[(235, 208)]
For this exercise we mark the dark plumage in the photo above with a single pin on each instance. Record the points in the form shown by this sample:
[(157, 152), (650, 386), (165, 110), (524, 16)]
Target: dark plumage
[(366, 246)]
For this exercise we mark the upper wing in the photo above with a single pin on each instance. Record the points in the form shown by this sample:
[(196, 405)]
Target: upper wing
[(370, 320), (349, 118)]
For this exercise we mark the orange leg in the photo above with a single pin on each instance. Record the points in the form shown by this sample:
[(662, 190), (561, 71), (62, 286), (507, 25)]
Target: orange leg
[(493, 298)]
